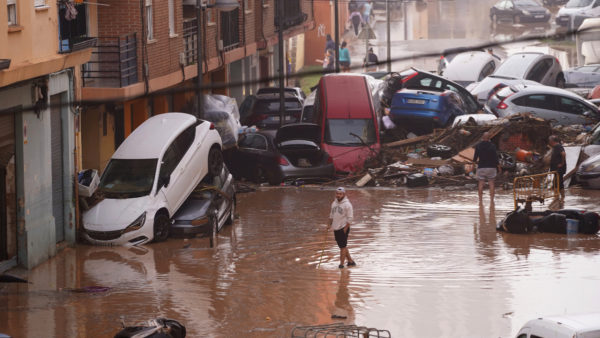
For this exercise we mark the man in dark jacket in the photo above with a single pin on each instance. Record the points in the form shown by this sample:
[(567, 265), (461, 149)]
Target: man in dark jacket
[(558, 161), (488, 165)]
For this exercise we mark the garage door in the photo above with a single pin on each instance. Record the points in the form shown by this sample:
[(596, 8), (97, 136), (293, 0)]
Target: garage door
[(57, 166), (7, 187)]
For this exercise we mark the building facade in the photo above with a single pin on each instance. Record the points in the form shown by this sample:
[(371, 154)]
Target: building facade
[(145, 62), (39, 70)]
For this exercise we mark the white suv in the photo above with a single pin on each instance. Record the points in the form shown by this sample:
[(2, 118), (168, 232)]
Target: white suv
[(149, 177)]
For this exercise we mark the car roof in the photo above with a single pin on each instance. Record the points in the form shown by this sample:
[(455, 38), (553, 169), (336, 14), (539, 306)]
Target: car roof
[(273, 96), (584, 322), (467, 66), (517, 64), (547, 90), (340, 87), (275, 90), (153, 136)]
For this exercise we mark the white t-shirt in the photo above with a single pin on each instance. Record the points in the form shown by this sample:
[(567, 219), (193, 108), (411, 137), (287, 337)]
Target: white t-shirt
[(341, 213)]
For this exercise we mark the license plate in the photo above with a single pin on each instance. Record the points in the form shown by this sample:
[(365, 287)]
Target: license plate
[(539, 16), (414, 101)]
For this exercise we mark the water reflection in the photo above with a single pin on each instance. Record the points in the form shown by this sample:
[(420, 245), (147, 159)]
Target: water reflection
[(430, 263)]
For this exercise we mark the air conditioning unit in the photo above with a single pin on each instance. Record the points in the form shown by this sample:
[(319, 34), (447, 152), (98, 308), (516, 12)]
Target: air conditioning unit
[(220, 45)]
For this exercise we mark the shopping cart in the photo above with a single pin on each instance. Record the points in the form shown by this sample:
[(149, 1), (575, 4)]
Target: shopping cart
[(535, 188), (338, 330)]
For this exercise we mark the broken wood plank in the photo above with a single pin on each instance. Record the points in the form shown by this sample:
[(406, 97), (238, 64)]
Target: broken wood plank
[(408, 141), (465, 156), (426, 161), (364, 180)]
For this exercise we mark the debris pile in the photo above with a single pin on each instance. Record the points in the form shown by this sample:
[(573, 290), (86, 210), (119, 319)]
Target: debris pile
[(444, 157)]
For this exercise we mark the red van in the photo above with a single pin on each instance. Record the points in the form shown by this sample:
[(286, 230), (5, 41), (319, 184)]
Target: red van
[(343, 108)]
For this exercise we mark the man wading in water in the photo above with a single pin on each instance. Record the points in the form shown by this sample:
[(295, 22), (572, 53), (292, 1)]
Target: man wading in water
[(340, 218)]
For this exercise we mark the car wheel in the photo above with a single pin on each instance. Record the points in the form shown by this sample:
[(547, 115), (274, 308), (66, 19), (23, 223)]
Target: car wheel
[(507, 162), (517, 20), (259, 175), (272, 179), (215, 161), (560, 81), (231, 212), (439, 150), (161, 227)]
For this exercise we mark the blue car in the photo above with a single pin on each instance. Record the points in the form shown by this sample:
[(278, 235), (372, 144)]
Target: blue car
[(421, 110)]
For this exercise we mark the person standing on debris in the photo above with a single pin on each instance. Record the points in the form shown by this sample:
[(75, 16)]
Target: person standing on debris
[(488, 165), (558, 161), (344, 55), (340, 218)]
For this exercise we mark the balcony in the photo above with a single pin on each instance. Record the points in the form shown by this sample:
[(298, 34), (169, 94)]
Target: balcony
[(190, 41), (292, 16), (230, 29), (72, 34), (113, 63)]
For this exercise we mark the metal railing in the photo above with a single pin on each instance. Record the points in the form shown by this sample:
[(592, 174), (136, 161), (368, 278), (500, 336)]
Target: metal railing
[(113, 63), (190, 41)]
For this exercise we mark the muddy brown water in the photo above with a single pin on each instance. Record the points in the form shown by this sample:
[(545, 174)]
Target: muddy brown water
[(430, 264)]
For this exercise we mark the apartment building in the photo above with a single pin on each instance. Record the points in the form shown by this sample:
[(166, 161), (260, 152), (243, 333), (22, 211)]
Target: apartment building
[(40, 62), (145, 61)]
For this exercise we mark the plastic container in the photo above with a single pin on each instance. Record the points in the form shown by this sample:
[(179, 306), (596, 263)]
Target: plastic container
[(88, 181), (572, 226), (523, 155)]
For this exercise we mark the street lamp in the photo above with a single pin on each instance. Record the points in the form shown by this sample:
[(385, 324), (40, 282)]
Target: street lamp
[(201, 5)]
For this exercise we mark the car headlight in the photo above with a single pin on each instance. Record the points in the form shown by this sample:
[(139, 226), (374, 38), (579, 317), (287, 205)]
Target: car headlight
[(526, 12), (137, 224), (592, 167)]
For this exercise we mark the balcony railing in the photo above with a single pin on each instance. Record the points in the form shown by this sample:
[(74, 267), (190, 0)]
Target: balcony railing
[(292, 16), (230, 29), (113, 63), (190, 41)]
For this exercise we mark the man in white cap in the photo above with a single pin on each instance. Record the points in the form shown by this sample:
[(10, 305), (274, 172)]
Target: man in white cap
[(340, 217)]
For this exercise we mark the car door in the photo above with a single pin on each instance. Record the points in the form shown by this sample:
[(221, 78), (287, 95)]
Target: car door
[(175, 175), (573, 111), (538, 72), (540, 105)]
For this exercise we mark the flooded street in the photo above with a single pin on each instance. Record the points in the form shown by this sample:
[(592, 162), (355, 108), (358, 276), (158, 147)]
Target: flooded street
[(430, 264)]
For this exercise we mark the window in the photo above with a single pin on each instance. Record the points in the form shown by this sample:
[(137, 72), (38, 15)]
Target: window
[(534, 101), (39, 3), (149, 21), (571, 106), (339, 132), (176, 151), (11, 6), (171, 17), (539, 70)]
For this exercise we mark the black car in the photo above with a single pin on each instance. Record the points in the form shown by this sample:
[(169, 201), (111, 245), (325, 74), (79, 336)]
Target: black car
[(290, 153), (518, 11), (262, 110), (209, 207)]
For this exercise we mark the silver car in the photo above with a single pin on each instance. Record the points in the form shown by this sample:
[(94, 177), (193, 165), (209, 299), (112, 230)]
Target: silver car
[(530, 66), (549, 103), (587, 76), (588, 173)]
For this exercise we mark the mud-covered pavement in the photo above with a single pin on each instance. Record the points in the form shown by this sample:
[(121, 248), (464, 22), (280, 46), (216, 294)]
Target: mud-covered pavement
[(430, 264)]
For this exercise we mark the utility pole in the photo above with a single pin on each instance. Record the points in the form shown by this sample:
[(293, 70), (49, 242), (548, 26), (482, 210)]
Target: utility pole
[(280, 19), (389, 44), (337, 35)]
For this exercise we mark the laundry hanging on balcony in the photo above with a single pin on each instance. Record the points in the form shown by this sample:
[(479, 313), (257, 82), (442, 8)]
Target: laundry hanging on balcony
[(71, 11)]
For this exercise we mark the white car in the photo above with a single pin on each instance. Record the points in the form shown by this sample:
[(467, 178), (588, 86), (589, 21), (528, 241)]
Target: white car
[(468, 67), (563, 326), (575, 8), (149, 177), (521, 68)]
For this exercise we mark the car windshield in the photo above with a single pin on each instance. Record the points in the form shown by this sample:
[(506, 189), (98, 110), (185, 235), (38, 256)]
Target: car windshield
[(124, 178), (516, 65), (340, 132), (264, 106), (526, 3), (578, 3)]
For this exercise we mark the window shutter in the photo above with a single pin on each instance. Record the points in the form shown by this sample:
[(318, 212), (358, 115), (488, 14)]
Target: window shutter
[(40, 3)]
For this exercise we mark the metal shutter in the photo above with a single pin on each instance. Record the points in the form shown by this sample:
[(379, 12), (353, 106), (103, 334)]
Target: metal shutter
[(57, 166)]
